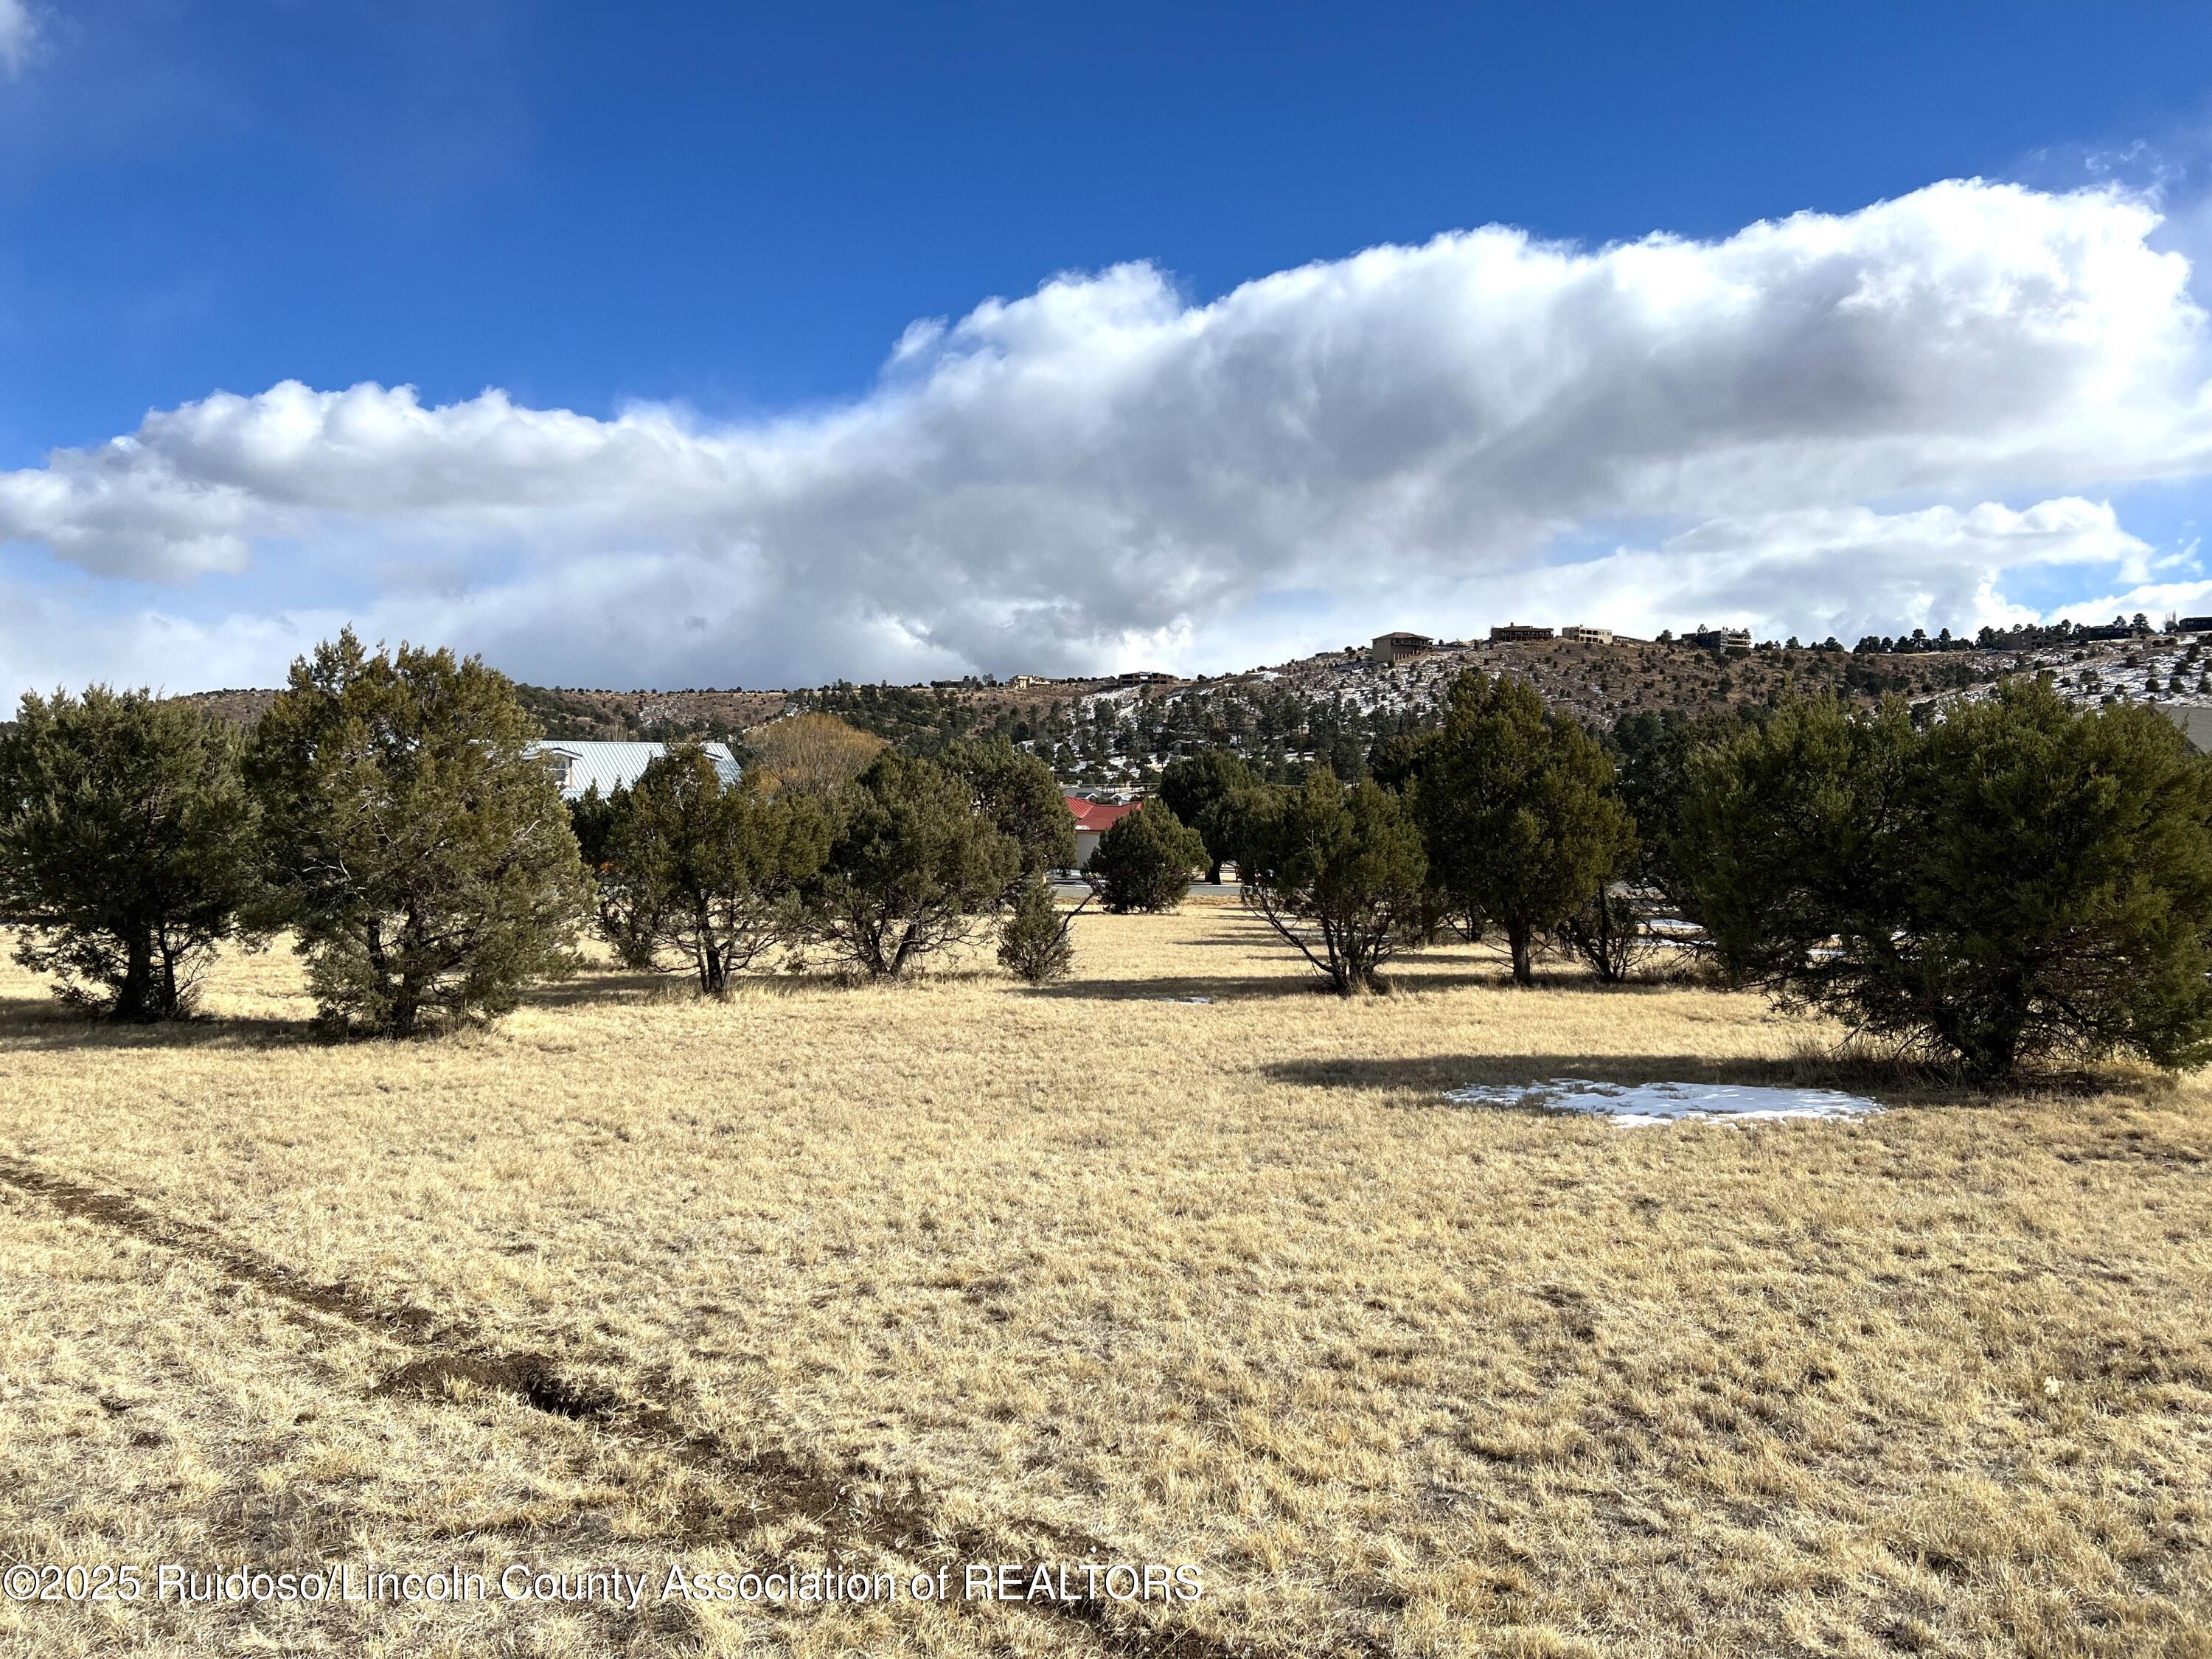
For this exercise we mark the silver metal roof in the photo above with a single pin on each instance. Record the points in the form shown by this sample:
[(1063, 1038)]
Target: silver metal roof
[(617, 765), (2196, 723)]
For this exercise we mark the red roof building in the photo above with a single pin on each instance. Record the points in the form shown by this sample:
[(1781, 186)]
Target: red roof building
[(1093, 818)]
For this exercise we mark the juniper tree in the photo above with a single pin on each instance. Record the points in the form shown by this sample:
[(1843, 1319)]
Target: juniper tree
[(1339, 873), (1519, 816), (1144, 860), (126, 845), (1033, 942), (422, 853), (714, 869), (2018, 882), (1205, 790), (1018, 793), (913, 867)]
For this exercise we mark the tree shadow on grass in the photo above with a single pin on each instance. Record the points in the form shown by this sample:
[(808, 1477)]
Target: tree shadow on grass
[(45, 1022), (604, 985)]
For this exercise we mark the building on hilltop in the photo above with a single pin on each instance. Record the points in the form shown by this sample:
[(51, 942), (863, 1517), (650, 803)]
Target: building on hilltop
[(580, 765), (1719, 639), (1518, 631), (1093, 818), (1585, 635), (1397, 648)]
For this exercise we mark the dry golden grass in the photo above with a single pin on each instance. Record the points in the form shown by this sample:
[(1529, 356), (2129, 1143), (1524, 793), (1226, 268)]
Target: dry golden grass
[(902, 1277)]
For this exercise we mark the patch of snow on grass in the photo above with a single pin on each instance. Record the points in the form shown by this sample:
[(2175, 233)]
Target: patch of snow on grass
[(1640, 1105)]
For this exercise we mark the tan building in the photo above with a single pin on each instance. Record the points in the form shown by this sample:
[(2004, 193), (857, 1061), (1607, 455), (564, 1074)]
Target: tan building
[(1396, 648), (1519, 631), (1587, 636)]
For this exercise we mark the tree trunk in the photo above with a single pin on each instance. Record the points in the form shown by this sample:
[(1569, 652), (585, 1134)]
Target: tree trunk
[(407, 1000), (133, 996), (1516, 935), (1213, 872), (171, 1004)]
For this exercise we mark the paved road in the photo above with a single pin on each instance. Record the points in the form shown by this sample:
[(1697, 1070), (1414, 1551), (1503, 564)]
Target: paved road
[(1072, 888)]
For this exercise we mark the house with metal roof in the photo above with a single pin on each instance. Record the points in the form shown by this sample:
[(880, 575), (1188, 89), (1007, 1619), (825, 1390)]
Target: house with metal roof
[(581, 765)]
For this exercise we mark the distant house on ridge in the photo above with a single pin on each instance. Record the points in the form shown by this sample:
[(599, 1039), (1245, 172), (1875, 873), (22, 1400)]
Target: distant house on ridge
[(1396, 648)]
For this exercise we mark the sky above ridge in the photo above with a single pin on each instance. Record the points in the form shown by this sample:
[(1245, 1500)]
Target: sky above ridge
[(728, 345)]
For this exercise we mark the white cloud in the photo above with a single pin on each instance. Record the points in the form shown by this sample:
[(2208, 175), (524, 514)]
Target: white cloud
[(1822, 418), (19, 35)]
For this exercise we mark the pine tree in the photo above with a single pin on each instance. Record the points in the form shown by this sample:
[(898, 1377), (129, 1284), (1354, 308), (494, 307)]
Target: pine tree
[(423, 855), (127, 848), (1019, 795), (626, 918)]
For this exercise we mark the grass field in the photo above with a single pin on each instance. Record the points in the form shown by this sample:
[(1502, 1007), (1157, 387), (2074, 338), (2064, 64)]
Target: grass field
[(899, 1280)]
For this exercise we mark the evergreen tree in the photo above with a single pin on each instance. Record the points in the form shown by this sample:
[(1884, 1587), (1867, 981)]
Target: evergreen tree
[(1204, 790), (126, 845), (1017, 793), (715, 868), (1519, 815), (626, 918), (912, 867), (423, 855), (1651, 752), (1339, 873), (1144, 860), (1033, 942), (2017, 883)]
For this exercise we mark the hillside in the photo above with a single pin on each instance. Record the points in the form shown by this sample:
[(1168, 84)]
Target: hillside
[(1107, 735)]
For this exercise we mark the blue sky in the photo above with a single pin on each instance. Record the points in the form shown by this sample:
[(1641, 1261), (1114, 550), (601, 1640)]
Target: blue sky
[(729, 216)]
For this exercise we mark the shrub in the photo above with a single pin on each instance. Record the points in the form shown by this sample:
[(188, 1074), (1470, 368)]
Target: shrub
[(1033, 943), (714, 870), (127, 847), (2016, 883), (1605, 933), (1144, 860), (913, 868), (425, 857), (1518, 813), (1339, 873)]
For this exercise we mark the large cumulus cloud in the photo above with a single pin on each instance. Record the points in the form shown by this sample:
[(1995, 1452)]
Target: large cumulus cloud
[(1827, 421)]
